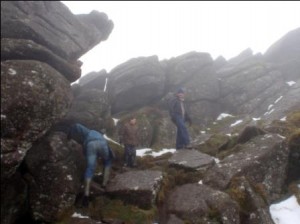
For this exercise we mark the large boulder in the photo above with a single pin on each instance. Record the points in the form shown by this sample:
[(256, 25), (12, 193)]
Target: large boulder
[(55, 168), (136, 83), (191, 159), (263, 161), (197, 203), (33, 97), (94, 80), (136, 187), (20, 49), (285, 49), (52, 25), (92, 109)]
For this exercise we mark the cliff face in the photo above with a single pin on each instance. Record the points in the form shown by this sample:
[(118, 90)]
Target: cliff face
[(40, 46), (244, 161)]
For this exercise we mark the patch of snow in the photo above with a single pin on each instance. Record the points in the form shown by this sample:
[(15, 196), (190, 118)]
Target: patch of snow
[(217, 160), (78, 215), (281, 136), (200, 182), (276, 101), (286, 212), (270, 106), (256, 119), (269, 112), (223, 115), (142, 152), (283, 119), (34, 72), (236, 123), (12, 71), (183, 162), (69, 177), (30, 83), (290, 83), (228, 134), (203, 132), (149, 152)]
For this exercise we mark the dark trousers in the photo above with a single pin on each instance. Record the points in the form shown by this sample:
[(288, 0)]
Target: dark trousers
[(129, 155), (182, 138)]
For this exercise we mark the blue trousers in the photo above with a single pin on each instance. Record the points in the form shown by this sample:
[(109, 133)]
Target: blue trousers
[(93, 150), (182, 138)]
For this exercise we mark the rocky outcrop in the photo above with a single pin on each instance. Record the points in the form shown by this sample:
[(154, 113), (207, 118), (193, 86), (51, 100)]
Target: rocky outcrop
[(136, 83), (263, 161), (33, 97), (55, 169), (91, 108), (40, 46), (52, 25), (41, 172), (285, 49)]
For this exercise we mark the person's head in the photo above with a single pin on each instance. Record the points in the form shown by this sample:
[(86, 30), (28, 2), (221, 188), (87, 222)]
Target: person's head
[(180, 93), (132, 120)]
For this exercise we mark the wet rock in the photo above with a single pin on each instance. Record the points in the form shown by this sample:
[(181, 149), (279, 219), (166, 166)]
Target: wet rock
[(198, 203), (136, 187), (191, 159)]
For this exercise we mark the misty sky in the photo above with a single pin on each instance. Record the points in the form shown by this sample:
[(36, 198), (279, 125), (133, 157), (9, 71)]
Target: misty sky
[(172, 28)]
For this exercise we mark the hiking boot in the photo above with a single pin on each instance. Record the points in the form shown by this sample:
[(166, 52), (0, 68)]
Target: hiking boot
[(188, 147)]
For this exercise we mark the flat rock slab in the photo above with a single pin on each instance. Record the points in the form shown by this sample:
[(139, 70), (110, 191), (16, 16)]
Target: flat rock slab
[(136, 187), (191, 159)]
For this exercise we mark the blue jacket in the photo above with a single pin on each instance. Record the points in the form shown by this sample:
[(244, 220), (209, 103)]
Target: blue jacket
[(83, 135)]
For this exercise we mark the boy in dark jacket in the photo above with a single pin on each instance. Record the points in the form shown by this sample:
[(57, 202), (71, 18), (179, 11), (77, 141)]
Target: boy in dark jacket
[(179, 116), (129, 137)]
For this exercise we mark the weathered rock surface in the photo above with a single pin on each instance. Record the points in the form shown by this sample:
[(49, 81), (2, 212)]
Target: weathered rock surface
[(136, 187), (198, 203), (20, 49), (52, 25), (40, 46), (33, 97), (136, 83), (263, 161), (191, 159), (55, 170), (286, 48), (91, 108)]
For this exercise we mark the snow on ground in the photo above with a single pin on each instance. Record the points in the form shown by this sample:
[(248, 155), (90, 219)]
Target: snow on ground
[(223, 115), (290, 83), (78, 215), (149, 152), (286, 212), (236, 123)]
